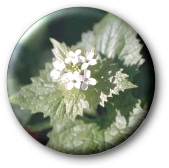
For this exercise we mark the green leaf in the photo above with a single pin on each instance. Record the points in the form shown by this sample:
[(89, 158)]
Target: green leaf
[(41, 96), (124, 102), (121, 82), (75, 102), (102, 72), (75, 137), (81, 138), (87, 41), (60, 50), (115, 38), (54, 100)]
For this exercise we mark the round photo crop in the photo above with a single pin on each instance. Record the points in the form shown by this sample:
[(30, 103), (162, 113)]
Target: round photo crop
[(80, 81)]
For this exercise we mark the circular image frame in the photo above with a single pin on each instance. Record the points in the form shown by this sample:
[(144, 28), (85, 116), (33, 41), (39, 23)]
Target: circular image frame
[(70, 118)]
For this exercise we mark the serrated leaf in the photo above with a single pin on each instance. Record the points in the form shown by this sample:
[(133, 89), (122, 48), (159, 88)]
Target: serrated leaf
[(102, 72), (60, 49), (83, 138), (75, 137), (87, 41), (41, 96), (121, 82), (115, 38), (124, 102), (44, 95), (75, 102)]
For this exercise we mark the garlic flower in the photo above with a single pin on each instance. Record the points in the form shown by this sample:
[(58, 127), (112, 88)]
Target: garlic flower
[(72, 80), (72, 71), (72, 57), (87, 80), (88, 60)]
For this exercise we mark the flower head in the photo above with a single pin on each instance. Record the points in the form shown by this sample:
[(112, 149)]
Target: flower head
[(87, 80), (72, 71), (72, 80), (88, 60), (72, 57)]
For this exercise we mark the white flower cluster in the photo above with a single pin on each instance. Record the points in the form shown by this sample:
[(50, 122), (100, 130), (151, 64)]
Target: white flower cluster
[(73, 70)]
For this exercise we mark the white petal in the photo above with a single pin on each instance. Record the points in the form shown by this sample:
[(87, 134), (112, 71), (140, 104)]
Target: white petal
[(59, 65), (64, 79), (92, 81), (81, 58), (90, 55), (71, 53), (63, 65), (92, 62), (80, 78), (75, 61), (67, 60), (84, 66), (56, 64), (55, 74), (77, 52), (77, 85), (76, 73), (84, 86), (70, 76), (87, 73), (69, 85)]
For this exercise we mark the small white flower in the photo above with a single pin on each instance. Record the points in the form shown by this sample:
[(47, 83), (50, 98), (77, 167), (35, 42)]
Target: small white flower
[(73, 57), (58, 67), (72, 80), (87, 80), (88, 60)]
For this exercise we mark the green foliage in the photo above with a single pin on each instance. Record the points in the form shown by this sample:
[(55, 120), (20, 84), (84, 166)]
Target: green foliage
[(40, 96), (78, 128), (114, 39), (79, 137)]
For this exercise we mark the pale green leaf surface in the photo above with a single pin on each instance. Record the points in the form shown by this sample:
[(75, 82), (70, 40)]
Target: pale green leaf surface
[(75, 101), (59, 49), (114, 38), (121, 82), (41, 96), (75, 137), (83, 138), (87, 41)]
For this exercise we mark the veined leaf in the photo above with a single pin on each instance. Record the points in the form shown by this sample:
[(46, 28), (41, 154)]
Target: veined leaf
[(41, 96), (124, 102), (83, 138), (60, 49), (115, 38), (75, 137), (75, 102)]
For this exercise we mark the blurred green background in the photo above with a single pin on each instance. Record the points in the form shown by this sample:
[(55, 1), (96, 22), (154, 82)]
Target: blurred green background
[(34, 49)]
